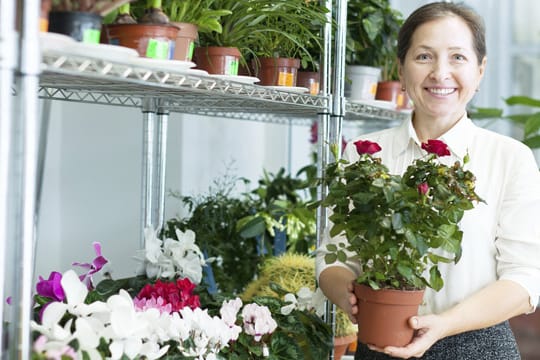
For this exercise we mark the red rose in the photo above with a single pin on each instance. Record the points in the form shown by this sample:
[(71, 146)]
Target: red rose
[(436, 147), (423, 188), (366, 147)]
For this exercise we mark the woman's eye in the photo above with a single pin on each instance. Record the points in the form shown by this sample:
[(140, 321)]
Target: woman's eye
[(423, 57), (459, 57)]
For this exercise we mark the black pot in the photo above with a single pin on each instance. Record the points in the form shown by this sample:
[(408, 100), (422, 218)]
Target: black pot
[(82, 26)]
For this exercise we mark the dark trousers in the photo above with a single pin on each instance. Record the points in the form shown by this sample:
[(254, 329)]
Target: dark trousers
[(493, 343)]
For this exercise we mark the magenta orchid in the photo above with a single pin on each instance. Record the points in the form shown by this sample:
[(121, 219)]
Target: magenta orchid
[(97, 264)]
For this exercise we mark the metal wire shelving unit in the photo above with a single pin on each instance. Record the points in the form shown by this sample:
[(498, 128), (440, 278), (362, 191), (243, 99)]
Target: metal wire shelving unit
[(28, 75)]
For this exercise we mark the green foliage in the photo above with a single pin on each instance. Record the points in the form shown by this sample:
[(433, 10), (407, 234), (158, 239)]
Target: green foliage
[(280, 204), (529, 120), (213, 218), (393, 230), (199, 12), (372, 29), (267, 28)]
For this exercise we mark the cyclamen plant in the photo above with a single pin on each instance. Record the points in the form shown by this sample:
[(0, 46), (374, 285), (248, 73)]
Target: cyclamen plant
[(124, 319), (398, 227)]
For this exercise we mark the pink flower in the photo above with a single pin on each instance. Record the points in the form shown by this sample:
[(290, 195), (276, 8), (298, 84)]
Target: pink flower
[(366, 147), (423, 188), (258, 321), (96, 265), (436, 147)]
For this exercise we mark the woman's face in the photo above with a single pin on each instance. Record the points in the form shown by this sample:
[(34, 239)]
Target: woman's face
[(441, 71)]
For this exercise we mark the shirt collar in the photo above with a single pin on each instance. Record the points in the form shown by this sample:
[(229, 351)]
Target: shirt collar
[(457, 138)]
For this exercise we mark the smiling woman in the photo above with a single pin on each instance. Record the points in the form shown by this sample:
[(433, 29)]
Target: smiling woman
[(442, 55)]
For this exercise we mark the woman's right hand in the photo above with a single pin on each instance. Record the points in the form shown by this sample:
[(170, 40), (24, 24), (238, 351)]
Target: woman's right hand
[(352, 301)]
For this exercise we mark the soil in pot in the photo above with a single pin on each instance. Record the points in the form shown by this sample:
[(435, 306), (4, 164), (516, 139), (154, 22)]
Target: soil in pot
[(156, 41), (217, 59), (310, 80), (391, 91), (82, 26), (185, 41), (278, 71), (383, 315)]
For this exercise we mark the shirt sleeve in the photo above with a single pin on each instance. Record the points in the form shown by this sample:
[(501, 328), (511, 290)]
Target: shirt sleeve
[(518, 232)]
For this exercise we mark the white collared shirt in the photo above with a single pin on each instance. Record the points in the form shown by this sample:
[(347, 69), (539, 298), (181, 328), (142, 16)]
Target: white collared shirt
[(501, 238)]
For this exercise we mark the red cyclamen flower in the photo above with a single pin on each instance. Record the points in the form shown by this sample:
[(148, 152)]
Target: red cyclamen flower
[(436, 147), (366, 147), (423, 188), (314, 133), (178, 294)]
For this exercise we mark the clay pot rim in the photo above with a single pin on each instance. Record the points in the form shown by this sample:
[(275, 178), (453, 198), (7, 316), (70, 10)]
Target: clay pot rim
[(219, 50)]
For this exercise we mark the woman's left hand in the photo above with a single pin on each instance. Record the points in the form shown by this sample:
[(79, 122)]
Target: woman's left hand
[(428, 330)]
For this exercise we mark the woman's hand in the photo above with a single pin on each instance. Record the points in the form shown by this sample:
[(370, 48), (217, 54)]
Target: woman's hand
[(352, 301), (428, 330)]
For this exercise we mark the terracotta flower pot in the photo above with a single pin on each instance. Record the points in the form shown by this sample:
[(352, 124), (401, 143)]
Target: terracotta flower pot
[(82, 26), (44, 15), (150, 40), (341, 344), (217, 59), (185, 41), (384, 314), (391, 91), (310, 80), (278, 71)]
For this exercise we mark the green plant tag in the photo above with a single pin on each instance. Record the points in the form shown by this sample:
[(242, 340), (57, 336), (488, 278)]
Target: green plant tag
[(157, 49), (190, 51), (231, 65), (91, 36)]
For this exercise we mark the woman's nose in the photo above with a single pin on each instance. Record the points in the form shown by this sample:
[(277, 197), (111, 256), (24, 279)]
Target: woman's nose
[(440, 71)]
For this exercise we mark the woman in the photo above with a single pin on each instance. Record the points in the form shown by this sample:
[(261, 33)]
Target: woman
[(442, 56)]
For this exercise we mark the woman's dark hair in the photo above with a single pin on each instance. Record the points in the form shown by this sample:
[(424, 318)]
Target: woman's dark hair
[(438, 10)]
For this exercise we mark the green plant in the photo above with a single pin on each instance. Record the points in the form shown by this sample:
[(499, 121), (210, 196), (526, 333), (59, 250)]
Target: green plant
[(372, 29), (398, 227), (292, 29), (528, 120), (198, 12), (289, 273), (213, 217), (279, 204)]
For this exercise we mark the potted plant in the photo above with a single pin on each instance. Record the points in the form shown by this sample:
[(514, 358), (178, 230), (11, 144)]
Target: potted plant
[(372, 28), (225, 51), (398, 228), (290, 34), (76, 18), (192, 18), (292, 273), (148, 31)]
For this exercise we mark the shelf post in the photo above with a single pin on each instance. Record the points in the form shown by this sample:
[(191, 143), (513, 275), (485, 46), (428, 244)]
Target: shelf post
[(155, 121), (161, 165), (23, 174), (8, 55)]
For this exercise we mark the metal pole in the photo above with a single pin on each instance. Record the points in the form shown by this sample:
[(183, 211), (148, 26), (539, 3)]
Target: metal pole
[(149, 109), (324, 140), (161, 165), (25, 147), (8, 56)]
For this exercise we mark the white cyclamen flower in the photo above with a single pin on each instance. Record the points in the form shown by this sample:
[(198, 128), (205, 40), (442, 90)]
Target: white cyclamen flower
[(229, 311), (258, 321), (287, 309)]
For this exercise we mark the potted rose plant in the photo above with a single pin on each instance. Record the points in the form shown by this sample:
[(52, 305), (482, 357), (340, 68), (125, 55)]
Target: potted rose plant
[(397, 227)]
